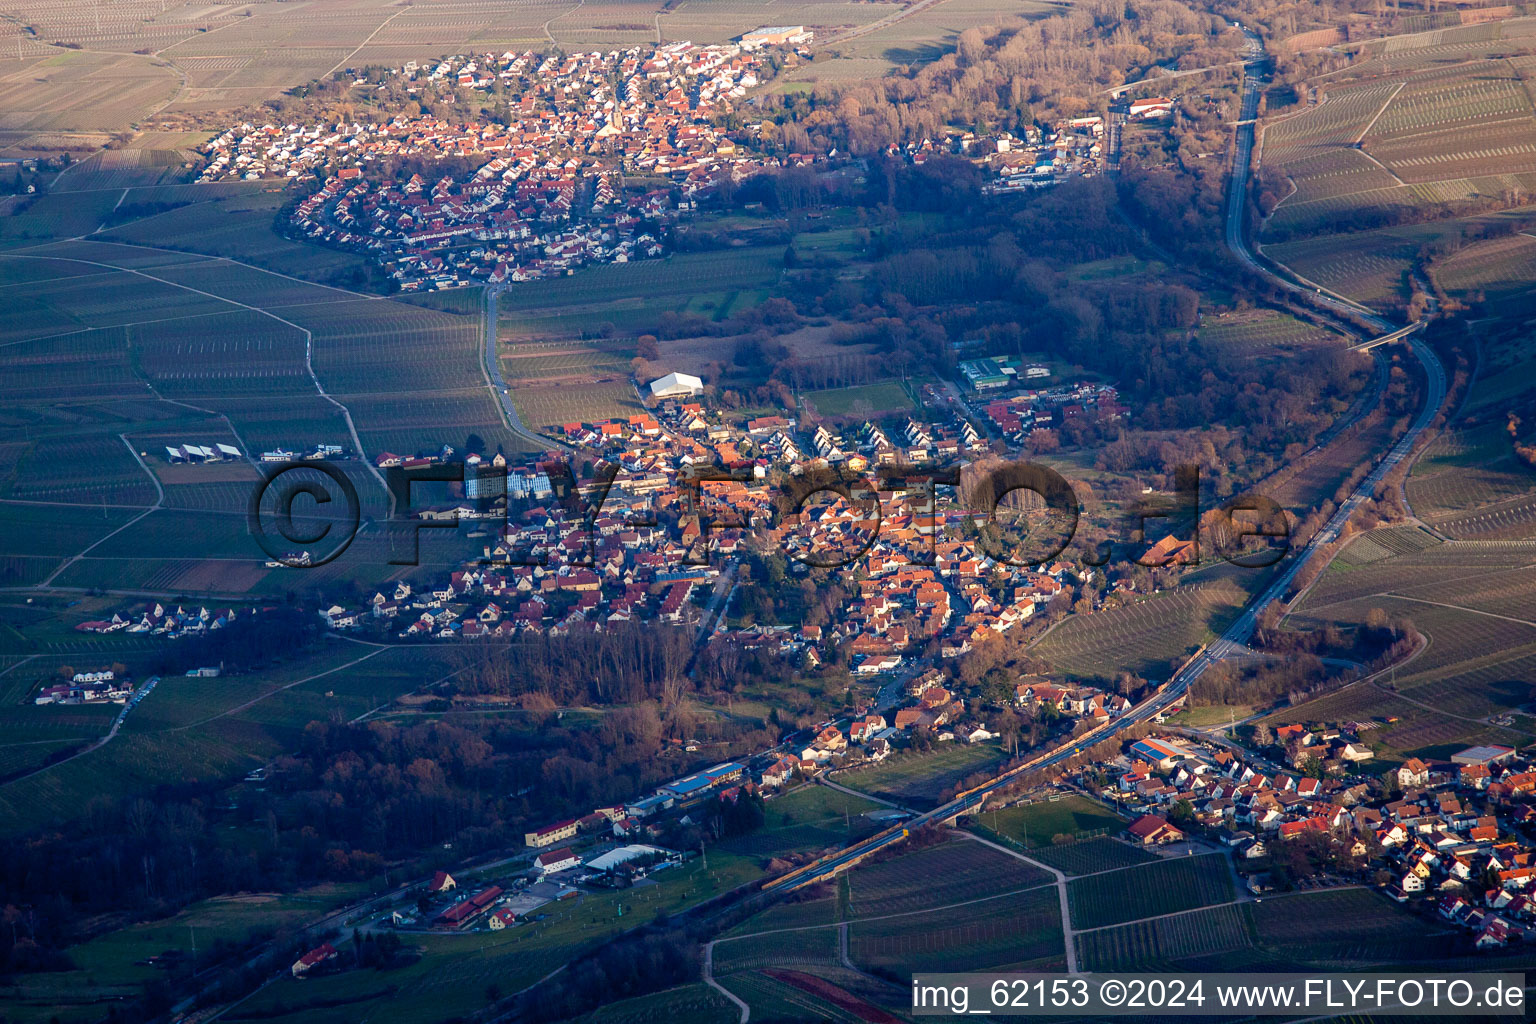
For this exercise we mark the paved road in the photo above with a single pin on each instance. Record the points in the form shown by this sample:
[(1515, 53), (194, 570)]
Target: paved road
[(492, 369), (1237, 635)]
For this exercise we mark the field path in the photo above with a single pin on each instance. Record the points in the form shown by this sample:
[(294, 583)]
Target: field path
[(159, 500), (554, 42), (286, 686), (118, 722), (709, 979), (1213, 906), (366, 40), (226, 259), (1376, 117), (309, 347), (1067, 934), (825, 781), (491, 370)]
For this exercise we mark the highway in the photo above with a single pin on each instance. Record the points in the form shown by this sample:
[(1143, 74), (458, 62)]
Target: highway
[(1237, 635)]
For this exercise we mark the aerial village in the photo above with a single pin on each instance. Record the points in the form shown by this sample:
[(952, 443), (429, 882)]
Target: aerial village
[(1454, 833), (550, 195), (1449, 837)]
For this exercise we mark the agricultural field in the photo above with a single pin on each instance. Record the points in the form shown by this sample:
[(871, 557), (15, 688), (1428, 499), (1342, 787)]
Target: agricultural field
[(620, 299), (1142, 637), (1141, 945), (690, 1004), (934, 908), (954, 872), (546, 407), (235, 220), (1348, 926), (1417, 131), (823, 993), (119, 349), (1473, 603), (1091, 855), (1495, 274), (1354, 928), (191, 730), (1044, 823), (1012, 932), (79, 91), (917, 778), (112, 966), (913, 39), (1163, 886), (1470, 485), (457, 973), (1263, 333)]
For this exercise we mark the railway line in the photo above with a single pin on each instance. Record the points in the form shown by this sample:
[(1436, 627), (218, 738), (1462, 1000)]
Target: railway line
[(1234, 640)]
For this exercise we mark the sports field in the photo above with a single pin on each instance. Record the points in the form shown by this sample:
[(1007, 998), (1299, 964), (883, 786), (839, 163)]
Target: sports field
[(921, 778), (862, 401), (1051, 822)]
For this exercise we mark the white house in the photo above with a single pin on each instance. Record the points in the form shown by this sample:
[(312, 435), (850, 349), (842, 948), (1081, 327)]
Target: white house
[(676, 385), (556, 860)]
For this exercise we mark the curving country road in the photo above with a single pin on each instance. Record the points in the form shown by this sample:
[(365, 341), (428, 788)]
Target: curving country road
[(491, 368), (1234, 640)]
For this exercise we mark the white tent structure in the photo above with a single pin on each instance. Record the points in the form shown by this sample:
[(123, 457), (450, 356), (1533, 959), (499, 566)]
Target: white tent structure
[(676, 385)]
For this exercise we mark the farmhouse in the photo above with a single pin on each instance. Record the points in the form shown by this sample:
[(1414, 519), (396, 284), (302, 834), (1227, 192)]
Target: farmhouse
[(322, 953), (556, 860), (549, 835), (1153, 830)]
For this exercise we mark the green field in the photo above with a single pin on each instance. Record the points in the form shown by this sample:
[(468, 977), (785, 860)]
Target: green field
[(111, 965), (952, 873), (1148, 944), (690, 1004), (865, 400), (1354, 929), (457, 974), (919, 778), (1048, 821), (626, 299), (191, 730), (809, 818), (1022, 931), (930, 908), (227, 353)]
